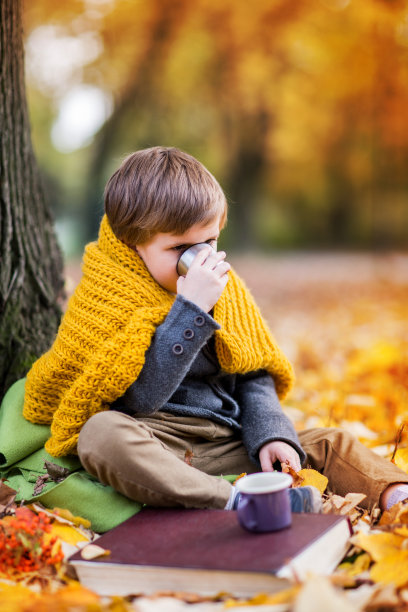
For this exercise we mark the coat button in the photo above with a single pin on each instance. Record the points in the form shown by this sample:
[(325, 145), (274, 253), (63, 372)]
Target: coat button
[(177, 349), (199, 320), (188, 334)]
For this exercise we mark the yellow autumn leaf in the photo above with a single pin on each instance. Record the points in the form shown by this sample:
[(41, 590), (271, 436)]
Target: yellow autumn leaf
[(360, 564), (12, 596), (401, 459), (378, 545), (77, 520), (313, 478), (265, 599), (380, 357), (402, 531), (73, 597), (68, 534), (392, 569)]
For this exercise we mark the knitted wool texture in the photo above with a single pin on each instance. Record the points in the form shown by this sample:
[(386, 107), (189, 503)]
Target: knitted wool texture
[(108, 326)]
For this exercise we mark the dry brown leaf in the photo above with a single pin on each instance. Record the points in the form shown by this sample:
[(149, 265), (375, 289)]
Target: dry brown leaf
[(383, 598), (7, 497), (297, 479), (345, 506), (188, 457), (397, 514)]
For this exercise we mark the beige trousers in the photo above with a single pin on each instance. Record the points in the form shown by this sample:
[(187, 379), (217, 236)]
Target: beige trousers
[(172, 461)]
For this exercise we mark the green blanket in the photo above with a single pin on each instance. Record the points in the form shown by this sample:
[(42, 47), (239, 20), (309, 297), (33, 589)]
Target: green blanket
[(22, 463), (22, 459)]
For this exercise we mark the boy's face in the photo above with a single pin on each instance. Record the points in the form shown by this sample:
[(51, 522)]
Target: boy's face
[(161, 253)]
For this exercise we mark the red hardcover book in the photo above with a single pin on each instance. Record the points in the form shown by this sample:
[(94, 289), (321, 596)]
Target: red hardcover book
[(206, 551)]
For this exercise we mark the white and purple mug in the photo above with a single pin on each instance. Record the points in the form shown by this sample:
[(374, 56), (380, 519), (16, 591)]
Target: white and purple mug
[(264, 503)]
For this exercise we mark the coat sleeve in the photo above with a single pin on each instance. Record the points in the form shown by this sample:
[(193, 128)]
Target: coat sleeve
[(262, 417)]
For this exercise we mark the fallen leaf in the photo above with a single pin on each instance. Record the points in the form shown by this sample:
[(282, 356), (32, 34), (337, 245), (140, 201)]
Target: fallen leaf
[(392, 569), (360, 564), (40, 483), (313, 478), (188, 597), (384, 598), (68, 533), (7, 497), (63, 513), (239, 477), (56, 472), (70, 598), (317, 594), (265, 599), (401, 459), (188, 457), (297, 479), (378, 545), (13, 596), (397, 514), (92, 551), (344, 505)]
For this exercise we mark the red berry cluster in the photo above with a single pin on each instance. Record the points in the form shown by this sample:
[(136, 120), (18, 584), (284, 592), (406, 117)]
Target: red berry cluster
[(22, 544)]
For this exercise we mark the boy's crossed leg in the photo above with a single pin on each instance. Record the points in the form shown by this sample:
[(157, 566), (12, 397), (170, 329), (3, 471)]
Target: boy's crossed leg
[(171, 461)]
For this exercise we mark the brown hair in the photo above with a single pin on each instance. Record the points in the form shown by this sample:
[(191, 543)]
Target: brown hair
[(161, 189)]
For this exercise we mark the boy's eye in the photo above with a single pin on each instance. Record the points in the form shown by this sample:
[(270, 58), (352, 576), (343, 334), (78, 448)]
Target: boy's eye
[(184, 247)]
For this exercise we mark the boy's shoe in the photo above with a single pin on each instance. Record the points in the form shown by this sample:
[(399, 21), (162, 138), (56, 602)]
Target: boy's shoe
[(400, 494), (305, 499)]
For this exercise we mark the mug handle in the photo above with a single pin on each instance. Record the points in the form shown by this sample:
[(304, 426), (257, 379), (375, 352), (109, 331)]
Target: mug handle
[(248, 507)]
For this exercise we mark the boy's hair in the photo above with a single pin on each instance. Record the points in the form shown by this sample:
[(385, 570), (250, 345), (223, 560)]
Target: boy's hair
[(161, 189)]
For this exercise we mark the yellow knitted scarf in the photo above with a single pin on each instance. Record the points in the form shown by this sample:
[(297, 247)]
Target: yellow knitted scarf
[(108, 326)]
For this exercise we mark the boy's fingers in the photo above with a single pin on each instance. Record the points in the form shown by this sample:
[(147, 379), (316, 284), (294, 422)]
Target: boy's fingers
[(222, 268), (213, 259), (201, 256), (266, 461)]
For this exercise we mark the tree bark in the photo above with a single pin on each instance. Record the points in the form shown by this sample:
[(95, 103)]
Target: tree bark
[(245, 177), (31, 281)]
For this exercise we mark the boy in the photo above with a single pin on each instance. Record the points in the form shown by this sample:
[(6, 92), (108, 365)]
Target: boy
[(187, 366)]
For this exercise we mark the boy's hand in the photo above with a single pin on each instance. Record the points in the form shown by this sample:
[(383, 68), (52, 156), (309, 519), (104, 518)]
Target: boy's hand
[(206, 279), (278, 451)]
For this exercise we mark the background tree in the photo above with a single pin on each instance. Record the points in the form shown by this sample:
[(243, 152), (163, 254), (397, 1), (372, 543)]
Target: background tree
[(297, 107), (30, 261)]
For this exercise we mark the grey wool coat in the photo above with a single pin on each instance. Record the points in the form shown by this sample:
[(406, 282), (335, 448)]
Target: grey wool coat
[(181, 375)]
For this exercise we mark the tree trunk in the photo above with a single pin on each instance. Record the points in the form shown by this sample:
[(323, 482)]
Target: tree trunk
[(246, 176), (31, 281)]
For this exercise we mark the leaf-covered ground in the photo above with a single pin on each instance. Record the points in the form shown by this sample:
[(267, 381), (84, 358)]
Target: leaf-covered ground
[(342, 320)]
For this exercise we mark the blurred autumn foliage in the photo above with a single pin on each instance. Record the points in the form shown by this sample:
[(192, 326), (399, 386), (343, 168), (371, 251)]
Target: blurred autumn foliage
[(341, 319), (299, 108)]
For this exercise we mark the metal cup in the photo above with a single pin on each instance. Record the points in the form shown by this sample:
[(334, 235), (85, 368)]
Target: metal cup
[(186, 258)]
